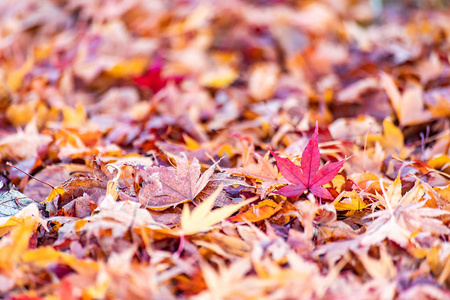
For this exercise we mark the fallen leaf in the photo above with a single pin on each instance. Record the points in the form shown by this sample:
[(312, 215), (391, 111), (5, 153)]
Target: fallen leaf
[(257, 167), (263, 79), (408, 106), (12, 202), (164, 187), (355, 204), (202, 218), (392, 139), (263, 210), (394, 198), (25, 143), (307, 177)]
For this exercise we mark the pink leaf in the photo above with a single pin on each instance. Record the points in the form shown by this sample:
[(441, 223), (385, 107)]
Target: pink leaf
[(307, 176), (292, 190), (289, 170), (326, 173), (321, 192), (311, 158)]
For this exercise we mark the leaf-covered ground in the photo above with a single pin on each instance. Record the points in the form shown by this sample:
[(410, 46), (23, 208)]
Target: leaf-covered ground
[(173, 151)]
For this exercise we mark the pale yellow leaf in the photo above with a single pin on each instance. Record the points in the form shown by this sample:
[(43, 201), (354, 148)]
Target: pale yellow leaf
[(409, 106), (394, 192), (202, 218)]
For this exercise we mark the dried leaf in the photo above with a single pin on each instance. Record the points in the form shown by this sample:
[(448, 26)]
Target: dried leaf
[(356, 203), (165, 187), (263, 210), (12, 202), (409, 105), (201, 218)]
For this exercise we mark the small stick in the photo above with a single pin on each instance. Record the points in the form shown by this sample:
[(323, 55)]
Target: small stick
[(46, 183)]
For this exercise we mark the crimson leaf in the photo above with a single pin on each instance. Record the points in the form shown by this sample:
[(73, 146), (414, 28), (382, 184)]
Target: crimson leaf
[(307, 177)]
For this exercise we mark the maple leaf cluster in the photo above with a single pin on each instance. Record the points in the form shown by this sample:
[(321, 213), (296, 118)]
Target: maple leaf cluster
[(224, 149)]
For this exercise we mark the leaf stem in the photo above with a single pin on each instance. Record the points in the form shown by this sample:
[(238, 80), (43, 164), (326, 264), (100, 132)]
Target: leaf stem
[(35, 178)]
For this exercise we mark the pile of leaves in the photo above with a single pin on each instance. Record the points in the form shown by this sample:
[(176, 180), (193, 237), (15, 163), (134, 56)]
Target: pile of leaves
[(269, 149)]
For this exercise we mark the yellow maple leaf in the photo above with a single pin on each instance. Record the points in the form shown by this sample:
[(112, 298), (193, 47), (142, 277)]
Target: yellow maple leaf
[(55, 192), (356, 204), (393, 198), (392, 139), (202, 218)]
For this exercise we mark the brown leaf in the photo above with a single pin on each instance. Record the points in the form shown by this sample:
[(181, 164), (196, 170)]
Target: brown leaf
[(54, 175), (164, 187)]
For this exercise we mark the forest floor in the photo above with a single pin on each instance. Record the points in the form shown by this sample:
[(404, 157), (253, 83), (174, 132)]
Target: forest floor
[(268, 149)]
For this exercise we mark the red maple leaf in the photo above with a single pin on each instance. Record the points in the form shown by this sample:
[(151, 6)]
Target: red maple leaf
[(153, 78), (307, 177)]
